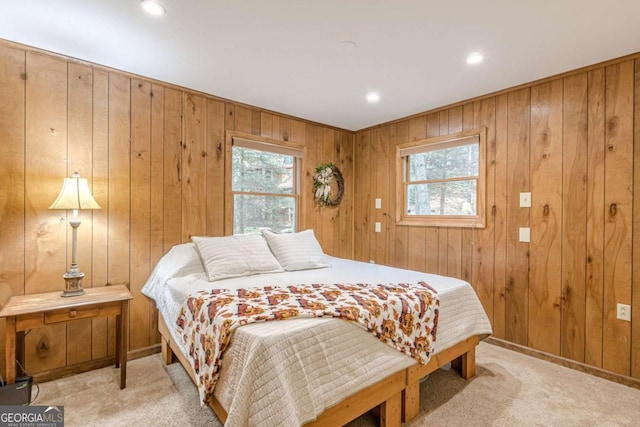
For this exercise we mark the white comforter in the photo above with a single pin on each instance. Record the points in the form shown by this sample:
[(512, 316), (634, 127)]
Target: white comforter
[(286, 373)]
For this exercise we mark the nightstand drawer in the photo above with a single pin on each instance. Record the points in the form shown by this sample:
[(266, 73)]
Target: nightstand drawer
[(68, 314)]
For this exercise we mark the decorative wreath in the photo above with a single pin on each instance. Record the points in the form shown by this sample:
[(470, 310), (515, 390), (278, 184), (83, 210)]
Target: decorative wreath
[(325, 174)]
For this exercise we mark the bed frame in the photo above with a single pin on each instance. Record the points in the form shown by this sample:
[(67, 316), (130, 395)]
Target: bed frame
[(397, 396)]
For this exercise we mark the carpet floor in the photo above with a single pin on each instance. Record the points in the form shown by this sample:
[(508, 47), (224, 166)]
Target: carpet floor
[(510, 389)]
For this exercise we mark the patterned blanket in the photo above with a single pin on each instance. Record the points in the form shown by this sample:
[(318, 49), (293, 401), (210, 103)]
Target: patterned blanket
[(402, 315)]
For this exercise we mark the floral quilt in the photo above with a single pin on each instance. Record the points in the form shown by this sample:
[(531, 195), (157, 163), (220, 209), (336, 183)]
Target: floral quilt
[(402, 315)]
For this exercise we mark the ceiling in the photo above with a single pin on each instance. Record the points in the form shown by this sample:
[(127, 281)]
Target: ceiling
[(283, 55)]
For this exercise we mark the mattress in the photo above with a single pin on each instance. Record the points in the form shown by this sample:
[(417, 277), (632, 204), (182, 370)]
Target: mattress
[(288, 372)]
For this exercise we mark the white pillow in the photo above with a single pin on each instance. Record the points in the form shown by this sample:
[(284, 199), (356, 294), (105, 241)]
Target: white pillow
[(235, 256), (297, 251), (180, 261)]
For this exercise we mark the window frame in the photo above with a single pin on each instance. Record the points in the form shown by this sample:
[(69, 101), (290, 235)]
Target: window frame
[(264, 144), (404, 150)]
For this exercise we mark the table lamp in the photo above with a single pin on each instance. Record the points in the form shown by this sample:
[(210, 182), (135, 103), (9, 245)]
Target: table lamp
[(74, 195)]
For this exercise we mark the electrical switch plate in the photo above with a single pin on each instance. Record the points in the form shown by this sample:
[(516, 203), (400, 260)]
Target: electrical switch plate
[(378, 203), (624, 312), (525, 234), (525, 200), (378, 227)]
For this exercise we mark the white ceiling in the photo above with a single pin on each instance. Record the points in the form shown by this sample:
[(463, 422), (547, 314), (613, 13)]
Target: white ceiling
[(282, 55)]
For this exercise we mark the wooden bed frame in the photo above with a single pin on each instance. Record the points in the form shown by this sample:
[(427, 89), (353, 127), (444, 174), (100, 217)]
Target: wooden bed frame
[(397, 395)]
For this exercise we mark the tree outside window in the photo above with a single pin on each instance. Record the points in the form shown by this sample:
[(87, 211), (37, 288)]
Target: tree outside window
[(264, 189), (441, 181)]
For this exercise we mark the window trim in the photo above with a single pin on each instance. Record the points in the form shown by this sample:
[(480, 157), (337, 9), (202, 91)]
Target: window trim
[(255, 142), (436, 143)]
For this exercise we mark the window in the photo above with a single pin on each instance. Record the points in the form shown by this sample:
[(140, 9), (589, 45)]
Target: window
[(264, 186), (441, 181)]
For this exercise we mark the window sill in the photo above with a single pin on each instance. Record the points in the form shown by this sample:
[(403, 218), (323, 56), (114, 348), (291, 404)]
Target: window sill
[(448, 221)]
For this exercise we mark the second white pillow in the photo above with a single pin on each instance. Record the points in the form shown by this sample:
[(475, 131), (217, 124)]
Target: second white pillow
[(297, 251)]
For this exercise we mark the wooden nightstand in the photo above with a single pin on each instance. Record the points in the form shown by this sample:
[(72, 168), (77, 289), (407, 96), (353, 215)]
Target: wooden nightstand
[(25, 312)]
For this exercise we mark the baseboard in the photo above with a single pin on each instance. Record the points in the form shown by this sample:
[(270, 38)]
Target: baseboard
[(143, 352), (90, 365), (568, 363)]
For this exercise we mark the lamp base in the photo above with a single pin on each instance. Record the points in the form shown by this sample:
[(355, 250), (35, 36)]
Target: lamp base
[(73, 284)]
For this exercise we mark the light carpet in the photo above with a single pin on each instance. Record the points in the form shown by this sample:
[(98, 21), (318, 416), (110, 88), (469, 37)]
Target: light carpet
[(510, 389)]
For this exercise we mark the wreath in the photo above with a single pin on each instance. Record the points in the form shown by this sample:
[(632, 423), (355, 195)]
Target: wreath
[(325, 175)]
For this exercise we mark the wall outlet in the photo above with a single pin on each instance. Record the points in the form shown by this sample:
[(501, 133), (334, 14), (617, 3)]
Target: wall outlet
[(378, 227), (378, 203), (525, 200), (624, 312), (524, 234)]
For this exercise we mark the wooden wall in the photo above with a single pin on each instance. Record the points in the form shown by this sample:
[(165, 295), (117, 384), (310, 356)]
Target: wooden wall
[(570, 142), (153, 154)]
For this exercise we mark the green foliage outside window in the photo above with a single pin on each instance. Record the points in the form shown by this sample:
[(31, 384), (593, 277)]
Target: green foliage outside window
[(443, 182), (263, 184)]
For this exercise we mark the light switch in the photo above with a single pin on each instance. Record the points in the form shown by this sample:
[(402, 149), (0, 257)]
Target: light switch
[(378, 227), (525, 200), (525, 234), (378, 203)]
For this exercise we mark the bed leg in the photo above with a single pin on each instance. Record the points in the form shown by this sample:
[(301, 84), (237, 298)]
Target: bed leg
[(391, 411), (466, 364), (411, 401), (167, 354)]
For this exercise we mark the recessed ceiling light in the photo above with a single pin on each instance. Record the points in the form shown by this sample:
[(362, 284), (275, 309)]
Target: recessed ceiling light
[(373, 97), (475, 58), (153, 7)]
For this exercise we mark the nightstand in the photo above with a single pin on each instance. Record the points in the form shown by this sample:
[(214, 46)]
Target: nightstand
[(25, 312)]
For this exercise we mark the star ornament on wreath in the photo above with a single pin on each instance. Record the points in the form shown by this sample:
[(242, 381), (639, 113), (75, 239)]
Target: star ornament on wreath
[(325, 175)]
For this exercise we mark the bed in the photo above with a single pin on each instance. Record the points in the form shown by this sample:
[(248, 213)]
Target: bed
[(319, 371)]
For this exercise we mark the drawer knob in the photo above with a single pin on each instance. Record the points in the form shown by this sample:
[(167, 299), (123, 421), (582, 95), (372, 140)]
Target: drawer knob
[(73, 313)]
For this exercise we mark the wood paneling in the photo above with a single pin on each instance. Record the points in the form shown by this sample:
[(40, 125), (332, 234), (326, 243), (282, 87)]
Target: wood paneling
[(12, 176), (499, 213), (635, 292), (194, 164), (362, 202), (119, 190), (570, 142), (140, 244), (545, 250), (154, 158), (156, 237), (45, 230), (345, 241), (172, 172), (382, 191), (79, 155), (618, 191), (574, 218), (215, 167), (482, 240), (517, 261), (594, 311), (100, 191)]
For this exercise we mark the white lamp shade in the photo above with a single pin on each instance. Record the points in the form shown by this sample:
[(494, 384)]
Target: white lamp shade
[(75, 194)]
